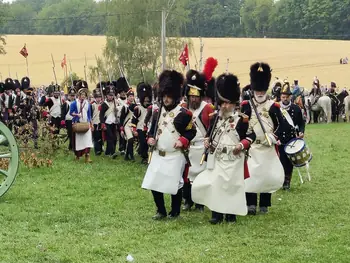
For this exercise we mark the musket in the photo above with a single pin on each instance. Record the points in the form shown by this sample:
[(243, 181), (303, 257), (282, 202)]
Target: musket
[(259, 118), (143, 75), (99, 78), (16, 75), (201, 54), (206, 150), (122, 73), (71, 75), (228, 61), (152, 147), (85, 68), (54, 74)]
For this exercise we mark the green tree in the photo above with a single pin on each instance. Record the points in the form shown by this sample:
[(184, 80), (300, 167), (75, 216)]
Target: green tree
[(133, 39), (2, 38)]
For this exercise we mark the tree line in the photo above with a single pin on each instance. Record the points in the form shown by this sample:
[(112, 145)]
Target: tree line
[(206, 18)]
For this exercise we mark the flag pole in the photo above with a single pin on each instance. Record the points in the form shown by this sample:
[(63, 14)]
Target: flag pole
[(27, 67), (9, 71)]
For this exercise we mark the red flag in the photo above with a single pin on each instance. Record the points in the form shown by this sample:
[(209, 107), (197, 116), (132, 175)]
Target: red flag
[(24, 51), (64, 61), (184, 56)]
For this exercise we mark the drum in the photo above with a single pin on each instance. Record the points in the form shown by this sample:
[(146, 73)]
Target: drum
[(81, 127), (298, 152)]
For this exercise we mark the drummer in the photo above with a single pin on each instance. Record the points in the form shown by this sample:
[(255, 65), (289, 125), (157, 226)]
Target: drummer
[(293, 114)]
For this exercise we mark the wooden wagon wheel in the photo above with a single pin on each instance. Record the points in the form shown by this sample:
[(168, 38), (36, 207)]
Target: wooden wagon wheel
[(9, 158)]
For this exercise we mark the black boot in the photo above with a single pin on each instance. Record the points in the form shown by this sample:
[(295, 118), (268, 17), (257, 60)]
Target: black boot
[(216, 218), (175, 205), (230, 218), (159, 201), (286, 184)]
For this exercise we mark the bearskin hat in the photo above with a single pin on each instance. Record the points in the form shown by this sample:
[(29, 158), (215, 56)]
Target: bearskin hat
[(195, 83), (56, 88), (17, 85), (82, 84), (228, 88), (2, 87), (75, 82), (144, 90), (102, 87), (333, 85), (97, 93), (286, 89), (9, 85), (25, 83), (109, 90), (121, 85), (260, 76), (170, 83)]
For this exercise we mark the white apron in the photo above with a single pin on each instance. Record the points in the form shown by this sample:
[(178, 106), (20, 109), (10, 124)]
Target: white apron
[(197, 145), (83, 140), (221, 186), (265, 168), (164, 173)]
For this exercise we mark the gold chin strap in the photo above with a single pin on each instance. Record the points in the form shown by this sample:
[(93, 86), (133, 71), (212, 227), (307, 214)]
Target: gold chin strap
[(193, 92)]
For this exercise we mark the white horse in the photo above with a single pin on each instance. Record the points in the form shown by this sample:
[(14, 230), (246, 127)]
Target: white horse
[(347, 108), (322, 106)]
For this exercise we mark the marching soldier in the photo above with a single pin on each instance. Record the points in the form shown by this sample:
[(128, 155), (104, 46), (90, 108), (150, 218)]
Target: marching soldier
[(202, 113), (108, 120), (122, 88), (170, 134), (294, 116), (31, 112), (126, 132), (221, 186), (54, 104), (67, 117), (265, 168), (144, 93), (97, 132), (8, 99)]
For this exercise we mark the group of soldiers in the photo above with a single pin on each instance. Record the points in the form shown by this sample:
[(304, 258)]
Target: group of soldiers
[(205, 140)]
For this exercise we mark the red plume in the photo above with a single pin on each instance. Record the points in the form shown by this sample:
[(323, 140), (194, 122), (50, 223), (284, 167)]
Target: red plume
[(209, 68)]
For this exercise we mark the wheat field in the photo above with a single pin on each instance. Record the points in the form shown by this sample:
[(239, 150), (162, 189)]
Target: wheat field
[(289, 58)]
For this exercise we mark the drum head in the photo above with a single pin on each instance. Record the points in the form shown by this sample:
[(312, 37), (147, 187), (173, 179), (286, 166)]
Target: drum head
[(294, 146)]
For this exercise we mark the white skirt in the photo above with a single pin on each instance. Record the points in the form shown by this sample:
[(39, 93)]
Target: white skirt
[(83, 140)]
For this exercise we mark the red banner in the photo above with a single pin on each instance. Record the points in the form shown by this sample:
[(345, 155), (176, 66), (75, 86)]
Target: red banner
[(24, 51), (184, 56)]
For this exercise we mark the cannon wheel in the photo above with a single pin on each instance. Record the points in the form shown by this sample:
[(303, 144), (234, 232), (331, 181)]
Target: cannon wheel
[(8, 156)]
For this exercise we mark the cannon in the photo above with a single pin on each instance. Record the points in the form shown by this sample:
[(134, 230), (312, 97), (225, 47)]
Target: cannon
[(9, 159)]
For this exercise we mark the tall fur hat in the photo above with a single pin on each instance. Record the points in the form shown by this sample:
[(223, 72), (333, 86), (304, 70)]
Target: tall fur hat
[(97, 93), (75, 82), (170, 84), (228, 88), (25, 83), (9, 85), (56, 88), (82, 87), (2, 87), (17, 85), (72, 91), (260, 76), (121, 85), (195, 83), (102, 87), (144, 90)]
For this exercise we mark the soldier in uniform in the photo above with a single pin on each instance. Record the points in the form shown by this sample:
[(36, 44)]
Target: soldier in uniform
[(122, 88), (294, 116), (265, 169), (54, 104), (8, 99), (221, 186), (108, 120), (202, 112), (126, 132), (67, 117), (31, 112), (97, 131), (174, 132), (144, 93)]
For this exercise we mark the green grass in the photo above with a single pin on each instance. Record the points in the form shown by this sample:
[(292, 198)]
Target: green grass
[(98, 213)]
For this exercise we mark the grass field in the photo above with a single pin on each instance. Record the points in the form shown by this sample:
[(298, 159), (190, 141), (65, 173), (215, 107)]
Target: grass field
[(74, 212), (289, 58)]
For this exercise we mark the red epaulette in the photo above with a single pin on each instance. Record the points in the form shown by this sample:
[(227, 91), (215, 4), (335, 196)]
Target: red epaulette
[(277, 105), (189, 112), (245, 102), (150, 107)]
